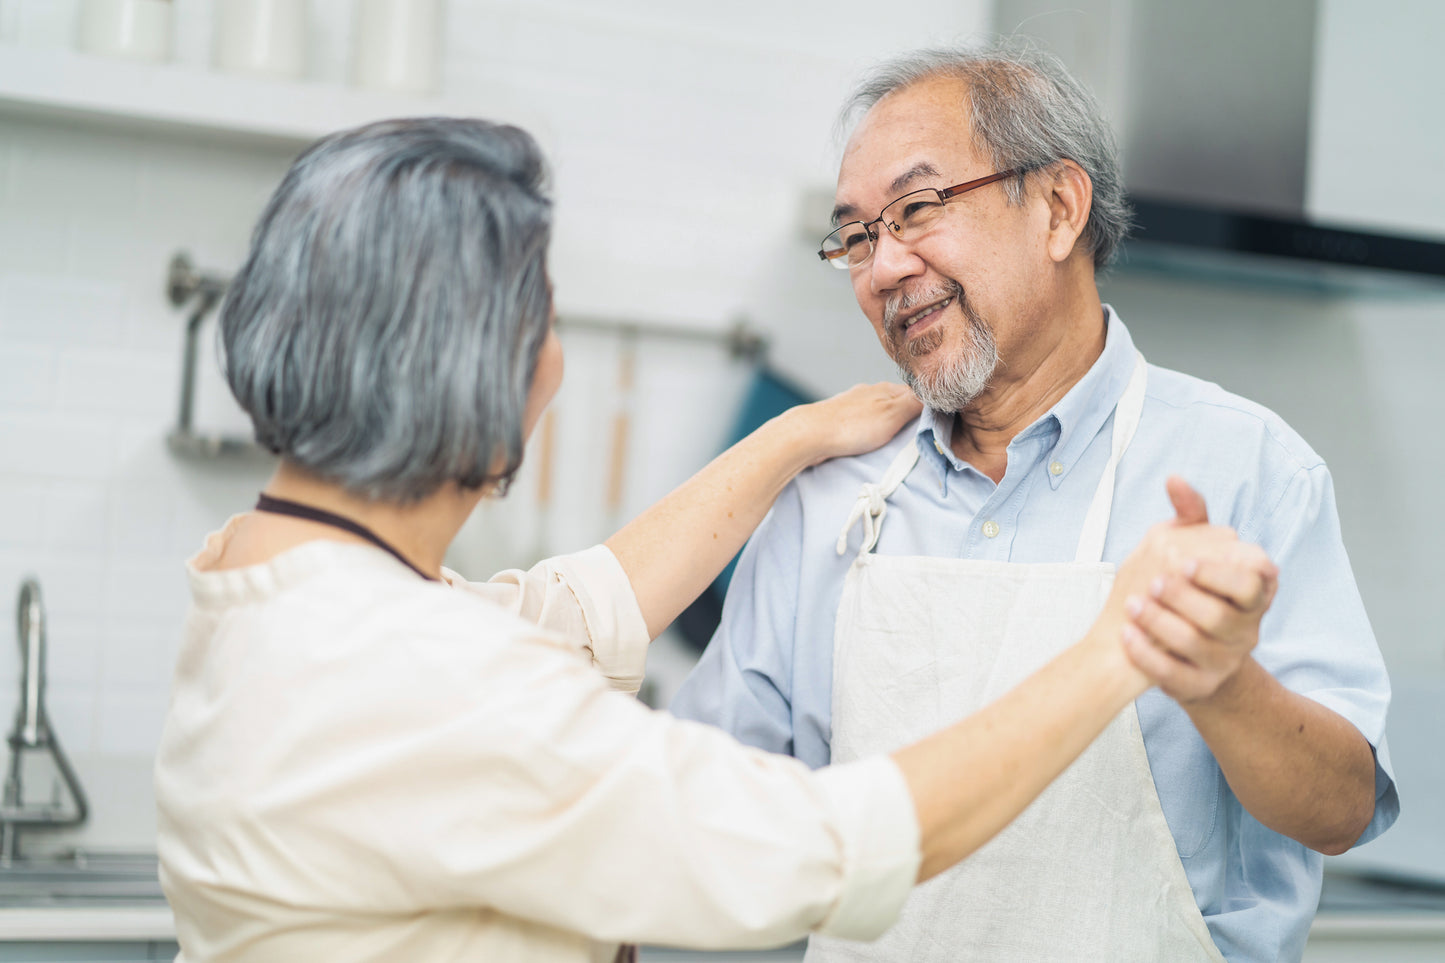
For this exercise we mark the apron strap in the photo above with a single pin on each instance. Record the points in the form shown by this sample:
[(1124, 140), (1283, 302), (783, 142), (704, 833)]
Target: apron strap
[(1126, 422), (872, 501)]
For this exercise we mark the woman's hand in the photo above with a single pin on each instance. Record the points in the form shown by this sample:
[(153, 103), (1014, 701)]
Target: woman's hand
[(674, 549), (1187, 602), (854, 422), (1196, 623), (1166, 549)]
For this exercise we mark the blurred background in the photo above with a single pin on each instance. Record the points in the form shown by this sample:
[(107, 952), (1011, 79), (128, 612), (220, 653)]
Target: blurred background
[(1286, 159)]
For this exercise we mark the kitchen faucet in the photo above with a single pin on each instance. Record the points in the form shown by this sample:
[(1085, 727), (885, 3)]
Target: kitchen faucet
[(32, 734)]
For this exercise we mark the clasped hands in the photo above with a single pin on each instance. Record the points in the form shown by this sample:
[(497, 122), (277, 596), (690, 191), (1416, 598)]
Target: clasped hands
[(1192, 596)]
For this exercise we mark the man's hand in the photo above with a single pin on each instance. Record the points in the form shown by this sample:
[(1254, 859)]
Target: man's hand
[(1199, 621)]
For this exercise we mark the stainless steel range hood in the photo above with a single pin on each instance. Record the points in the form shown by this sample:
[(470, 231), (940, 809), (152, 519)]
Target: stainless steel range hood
[(1296, 139)]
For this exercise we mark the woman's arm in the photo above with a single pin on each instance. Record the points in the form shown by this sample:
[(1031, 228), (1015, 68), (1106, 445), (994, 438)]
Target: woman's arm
[(674, 549), (721, 845)]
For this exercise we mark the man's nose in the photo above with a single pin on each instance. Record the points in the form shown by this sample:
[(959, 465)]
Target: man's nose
[(893, 262)]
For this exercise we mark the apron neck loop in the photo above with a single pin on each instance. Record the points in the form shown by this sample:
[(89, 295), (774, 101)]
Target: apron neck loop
[(1126, 422), (872, 502)]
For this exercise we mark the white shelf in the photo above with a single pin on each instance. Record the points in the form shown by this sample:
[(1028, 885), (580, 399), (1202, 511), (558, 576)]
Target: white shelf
[(66, 86)]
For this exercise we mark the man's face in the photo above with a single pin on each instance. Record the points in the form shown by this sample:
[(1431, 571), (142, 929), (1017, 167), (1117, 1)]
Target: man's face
[(947, 305)]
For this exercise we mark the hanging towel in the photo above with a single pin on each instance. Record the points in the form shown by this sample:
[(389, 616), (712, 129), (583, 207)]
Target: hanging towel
[(770, 394)]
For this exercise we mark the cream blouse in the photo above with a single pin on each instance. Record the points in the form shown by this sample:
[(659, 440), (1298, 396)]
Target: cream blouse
[(359, 765)]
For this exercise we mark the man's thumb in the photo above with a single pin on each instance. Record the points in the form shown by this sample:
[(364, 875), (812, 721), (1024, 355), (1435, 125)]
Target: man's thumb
[(1188, 503)]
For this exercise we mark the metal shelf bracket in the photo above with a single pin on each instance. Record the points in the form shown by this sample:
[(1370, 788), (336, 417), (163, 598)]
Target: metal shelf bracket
[(185, 284)]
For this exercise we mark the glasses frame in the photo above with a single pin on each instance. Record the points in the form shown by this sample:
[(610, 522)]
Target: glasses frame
[(944, 195)]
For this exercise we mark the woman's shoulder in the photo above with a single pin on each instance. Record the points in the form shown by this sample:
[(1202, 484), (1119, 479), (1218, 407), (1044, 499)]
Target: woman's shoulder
[(345, 599)]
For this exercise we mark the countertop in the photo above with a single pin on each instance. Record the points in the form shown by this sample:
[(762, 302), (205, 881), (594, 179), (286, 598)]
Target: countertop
[(1351, 907)]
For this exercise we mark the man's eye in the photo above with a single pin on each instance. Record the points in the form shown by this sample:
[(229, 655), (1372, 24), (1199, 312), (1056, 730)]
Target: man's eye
[(915, 209)]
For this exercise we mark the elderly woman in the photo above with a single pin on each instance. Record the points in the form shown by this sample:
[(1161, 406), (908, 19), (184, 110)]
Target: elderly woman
[(368, 758)]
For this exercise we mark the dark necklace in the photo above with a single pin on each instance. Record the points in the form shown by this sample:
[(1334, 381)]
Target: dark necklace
[(281, 506)]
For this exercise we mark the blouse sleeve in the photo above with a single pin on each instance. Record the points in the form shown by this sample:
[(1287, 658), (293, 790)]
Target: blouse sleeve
[(585, 598)]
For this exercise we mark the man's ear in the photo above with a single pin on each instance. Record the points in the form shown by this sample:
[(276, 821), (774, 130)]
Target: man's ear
[(1070, 194)]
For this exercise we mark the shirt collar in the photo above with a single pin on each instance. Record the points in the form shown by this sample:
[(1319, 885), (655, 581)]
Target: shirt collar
[(935, 438), (1079, 414)]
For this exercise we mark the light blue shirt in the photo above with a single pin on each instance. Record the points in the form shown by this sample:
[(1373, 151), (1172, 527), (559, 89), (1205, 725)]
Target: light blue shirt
[(766, 677)]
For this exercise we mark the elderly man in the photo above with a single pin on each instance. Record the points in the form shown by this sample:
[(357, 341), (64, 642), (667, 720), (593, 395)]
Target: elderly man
[(977, 198)]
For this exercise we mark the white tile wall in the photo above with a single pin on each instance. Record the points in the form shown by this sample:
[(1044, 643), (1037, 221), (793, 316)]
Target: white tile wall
[(683, 138)]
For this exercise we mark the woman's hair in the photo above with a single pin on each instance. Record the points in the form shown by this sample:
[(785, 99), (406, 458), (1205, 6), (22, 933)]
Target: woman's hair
[(383, 331), (1026, 113)]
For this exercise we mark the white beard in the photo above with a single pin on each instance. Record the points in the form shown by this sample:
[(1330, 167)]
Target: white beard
[(960, 379)]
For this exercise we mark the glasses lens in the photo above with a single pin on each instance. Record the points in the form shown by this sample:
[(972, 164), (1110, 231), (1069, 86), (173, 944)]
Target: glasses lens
[(912, 214), (847, 246)]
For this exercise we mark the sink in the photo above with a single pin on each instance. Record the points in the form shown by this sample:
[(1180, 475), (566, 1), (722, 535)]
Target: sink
[(81, 879)]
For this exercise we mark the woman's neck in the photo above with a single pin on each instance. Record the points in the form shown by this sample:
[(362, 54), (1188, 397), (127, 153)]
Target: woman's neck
[(421, 531)]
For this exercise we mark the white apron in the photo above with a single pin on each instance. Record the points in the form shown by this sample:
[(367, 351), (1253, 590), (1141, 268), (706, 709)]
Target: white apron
[(1089, 872)]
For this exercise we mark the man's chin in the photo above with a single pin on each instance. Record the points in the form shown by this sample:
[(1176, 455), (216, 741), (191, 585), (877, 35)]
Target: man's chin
[(908, 354), (923, 366), (924, 345)]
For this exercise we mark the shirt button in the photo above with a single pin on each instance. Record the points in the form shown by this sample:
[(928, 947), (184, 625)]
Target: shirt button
[(939, 445), (1056, 468), (990, 528)]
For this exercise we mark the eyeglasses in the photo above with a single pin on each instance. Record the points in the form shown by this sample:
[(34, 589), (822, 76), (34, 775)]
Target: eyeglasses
[(906, 219)]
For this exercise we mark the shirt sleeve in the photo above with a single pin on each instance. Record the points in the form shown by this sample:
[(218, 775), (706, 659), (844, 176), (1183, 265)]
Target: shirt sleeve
[(1316, 638), (742, 683), (585, 598), (524, 785)]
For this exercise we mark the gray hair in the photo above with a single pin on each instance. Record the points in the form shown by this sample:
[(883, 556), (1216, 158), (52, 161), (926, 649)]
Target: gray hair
[(385, 327), (1027, 113)]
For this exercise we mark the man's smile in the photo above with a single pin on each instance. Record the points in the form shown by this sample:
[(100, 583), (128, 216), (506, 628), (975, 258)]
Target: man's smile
[(914, 325)]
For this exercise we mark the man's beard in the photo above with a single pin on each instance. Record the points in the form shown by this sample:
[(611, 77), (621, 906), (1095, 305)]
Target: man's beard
[(957, 381)]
